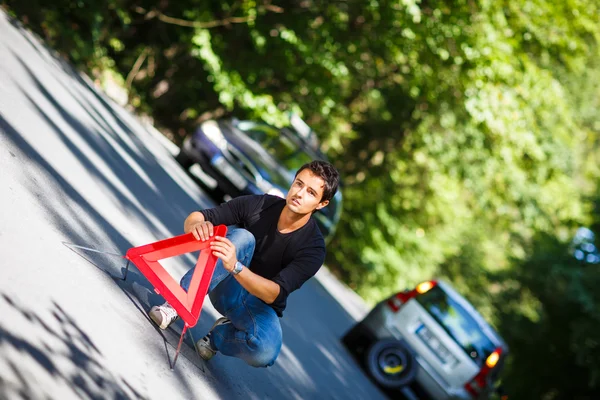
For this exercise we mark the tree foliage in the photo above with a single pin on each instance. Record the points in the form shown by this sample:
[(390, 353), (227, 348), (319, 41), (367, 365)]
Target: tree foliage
[(549, 312), (466, 133)]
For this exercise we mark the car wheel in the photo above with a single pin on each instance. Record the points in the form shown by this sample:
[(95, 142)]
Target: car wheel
[(390, 363), (184, 160)]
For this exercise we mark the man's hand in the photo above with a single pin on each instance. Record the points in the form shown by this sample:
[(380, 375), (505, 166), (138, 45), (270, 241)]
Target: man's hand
[(224, 250), (202, 230)]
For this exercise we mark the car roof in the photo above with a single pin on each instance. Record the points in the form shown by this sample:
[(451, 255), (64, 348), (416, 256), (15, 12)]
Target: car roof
[(307, 142)]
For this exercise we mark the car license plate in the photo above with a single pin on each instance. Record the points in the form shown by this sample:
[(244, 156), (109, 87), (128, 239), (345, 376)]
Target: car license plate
[(221, 164), (434, 344)]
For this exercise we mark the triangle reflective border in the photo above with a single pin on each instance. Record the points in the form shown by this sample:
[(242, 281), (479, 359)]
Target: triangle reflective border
[(146, 258)]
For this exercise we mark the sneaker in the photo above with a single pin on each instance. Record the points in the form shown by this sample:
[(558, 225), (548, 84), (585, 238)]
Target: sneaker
[(163, 315), (203, 346)]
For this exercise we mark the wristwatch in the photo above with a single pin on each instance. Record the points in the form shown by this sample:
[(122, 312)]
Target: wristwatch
[(237, 268)]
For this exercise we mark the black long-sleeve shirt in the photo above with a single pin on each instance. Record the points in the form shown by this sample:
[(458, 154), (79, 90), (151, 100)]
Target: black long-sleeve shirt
[(287, 259)]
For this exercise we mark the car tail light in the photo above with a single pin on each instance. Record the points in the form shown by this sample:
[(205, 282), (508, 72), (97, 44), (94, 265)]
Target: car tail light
[(479, 382), (402, 297), (425, 286)]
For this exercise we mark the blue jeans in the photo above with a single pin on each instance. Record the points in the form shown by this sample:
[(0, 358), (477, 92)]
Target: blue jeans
[(254, 334)]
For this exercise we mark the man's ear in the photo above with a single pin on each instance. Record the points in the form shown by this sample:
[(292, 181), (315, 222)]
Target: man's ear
[(322, 204)]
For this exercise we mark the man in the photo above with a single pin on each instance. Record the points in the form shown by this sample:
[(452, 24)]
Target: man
[(278, 248)]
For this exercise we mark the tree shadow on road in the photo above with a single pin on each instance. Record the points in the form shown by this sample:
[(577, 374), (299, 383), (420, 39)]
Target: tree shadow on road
[(70, 220), (96, 132), (56, 345)]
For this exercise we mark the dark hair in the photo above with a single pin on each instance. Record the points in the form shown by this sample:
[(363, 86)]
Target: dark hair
[(328, 173)]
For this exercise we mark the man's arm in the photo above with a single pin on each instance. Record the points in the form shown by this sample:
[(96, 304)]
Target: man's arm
[(237, 211), (263, 288), (256, 285)]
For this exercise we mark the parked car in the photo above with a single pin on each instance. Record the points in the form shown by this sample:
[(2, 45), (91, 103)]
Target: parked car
[(429, 343), (248, 157)]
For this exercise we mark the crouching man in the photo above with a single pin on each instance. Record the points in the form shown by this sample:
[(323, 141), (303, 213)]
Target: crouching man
[(276, 250)]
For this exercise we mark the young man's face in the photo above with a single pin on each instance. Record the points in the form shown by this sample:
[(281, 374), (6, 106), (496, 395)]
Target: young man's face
[(306, 192)]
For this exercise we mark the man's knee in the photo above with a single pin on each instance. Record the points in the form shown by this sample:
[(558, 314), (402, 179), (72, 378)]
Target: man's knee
[(241, 236), (264, 353)]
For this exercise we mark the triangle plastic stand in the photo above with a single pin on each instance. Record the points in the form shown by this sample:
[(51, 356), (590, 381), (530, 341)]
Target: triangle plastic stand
[(187, 304)]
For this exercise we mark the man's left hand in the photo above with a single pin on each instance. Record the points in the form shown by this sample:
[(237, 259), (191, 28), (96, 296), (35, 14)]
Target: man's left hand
[(225, 251)]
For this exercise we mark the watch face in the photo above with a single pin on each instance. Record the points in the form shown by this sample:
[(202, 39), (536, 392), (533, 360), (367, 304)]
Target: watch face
[(237, 268)]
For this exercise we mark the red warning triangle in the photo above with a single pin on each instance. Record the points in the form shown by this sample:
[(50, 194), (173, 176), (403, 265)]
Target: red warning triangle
[(146, 259)]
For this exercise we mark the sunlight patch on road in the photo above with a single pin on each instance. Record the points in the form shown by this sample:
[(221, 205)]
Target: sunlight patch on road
[(293, 367)]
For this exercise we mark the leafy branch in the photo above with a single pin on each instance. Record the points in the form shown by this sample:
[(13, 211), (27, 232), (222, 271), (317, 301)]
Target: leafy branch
[(154, 13)]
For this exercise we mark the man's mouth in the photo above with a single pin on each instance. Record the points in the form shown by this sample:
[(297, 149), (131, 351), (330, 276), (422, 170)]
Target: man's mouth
[(295, 201)]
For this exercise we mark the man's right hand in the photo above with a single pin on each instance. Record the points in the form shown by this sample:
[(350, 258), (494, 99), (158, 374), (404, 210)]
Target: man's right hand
[(202, 230)]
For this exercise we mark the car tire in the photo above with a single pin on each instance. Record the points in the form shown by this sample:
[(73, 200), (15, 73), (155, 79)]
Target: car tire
[(184, 160), (390, 364)]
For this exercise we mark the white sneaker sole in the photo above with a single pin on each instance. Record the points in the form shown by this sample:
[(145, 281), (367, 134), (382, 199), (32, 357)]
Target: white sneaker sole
[(159, 318)]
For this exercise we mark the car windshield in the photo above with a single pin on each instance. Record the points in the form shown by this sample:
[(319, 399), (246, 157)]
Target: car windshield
[(458, 323), (280, 146)]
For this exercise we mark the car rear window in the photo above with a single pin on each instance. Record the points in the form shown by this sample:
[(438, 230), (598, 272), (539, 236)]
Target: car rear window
[(280, 147), (458, 323)]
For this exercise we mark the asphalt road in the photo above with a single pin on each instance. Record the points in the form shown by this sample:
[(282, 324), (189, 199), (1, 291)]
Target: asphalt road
[(76, 168)]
